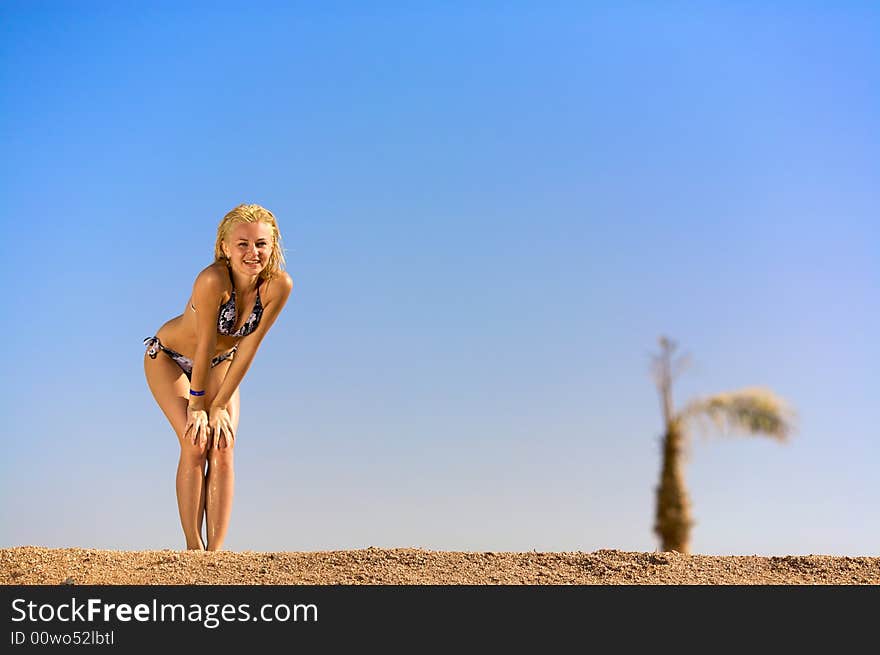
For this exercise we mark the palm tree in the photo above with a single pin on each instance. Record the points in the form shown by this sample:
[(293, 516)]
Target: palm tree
[(753, 410)]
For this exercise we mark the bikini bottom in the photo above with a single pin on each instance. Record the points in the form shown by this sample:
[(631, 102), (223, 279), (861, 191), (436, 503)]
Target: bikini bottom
[(185, 363)]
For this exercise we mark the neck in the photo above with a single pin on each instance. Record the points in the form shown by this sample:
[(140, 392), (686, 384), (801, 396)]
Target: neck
[(243, 281)]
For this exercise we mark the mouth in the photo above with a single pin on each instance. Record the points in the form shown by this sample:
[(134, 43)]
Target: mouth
[(252, 263)]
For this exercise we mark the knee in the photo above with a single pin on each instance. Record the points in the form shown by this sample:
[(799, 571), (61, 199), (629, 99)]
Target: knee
[(193, 453), (220, 458)]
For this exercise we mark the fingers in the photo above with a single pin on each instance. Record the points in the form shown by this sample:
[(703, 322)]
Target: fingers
[(222, 436), (196, 427), (219, 430), (197, 432), (202, 436)]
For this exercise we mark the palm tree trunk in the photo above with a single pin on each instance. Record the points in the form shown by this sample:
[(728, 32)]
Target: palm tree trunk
[(673, 521)]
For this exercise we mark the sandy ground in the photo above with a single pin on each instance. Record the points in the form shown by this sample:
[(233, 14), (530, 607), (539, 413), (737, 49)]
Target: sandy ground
[(32, 565)]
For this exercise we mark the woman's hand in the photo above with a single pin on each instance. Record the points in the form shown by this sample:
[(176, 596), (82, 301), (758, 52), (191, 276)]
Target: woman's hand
[(196, 426), (220, 423)]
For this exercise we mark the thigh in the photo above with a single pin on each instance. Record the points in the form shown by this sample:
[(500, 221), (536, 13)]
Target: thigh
[(170, 388)]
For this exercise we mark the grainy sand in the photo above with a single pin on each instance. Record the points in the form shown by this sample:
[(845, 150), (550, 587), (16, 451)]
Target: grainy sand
[(32, 565)]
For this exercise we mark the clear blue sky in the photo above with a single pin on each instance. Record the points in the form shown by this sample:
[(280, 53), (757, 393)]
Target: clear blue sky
[(491, 213)]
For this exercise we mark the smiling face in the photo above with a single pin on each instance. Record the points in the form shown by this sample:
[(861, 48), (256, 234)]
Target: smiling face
[(248, 247), (248, 240)]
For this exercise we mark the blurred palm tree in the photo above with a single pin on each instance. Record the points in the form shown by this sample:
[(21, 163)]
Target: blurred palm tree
[(754, 410)]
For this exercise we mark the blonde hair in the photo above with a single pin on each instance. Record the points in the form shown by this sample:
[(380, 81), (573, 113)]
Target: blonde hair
[(252, 214)]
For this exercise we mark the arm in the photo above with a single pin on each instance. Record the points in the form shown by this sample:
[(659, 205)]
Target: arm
[(244, 355), (207, 293)]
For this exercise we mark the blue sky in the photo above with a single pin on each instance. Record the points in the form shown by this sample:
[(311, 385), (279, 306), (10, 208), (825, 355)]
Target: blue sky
[(491, 213)]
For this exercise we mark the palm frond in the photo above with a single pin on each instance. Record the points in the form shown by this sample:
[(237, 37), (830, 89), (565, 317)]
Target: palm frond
[(754, 410)]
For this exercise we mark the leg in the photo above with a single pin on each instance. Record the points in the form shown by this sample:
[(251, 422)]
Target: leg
[(170, 388), (220, 484)]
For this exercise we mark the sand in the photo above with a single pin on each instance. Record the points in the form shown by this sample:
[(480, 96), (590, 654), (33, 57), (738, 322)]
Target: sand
[(34, 565)]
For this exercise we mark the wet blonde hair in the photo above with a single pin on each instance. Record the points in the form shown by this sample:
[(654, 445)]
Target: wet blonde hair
[(252, 214)]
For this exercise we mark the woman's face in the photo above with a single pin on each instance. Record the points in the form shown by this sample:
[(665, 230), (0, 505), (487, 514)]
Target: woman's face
[(248, 247)]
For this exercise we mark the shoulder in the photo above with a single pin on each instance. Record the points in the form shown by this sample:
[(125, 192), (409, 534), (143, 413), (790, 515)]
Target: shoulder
[(212, 279), (279, 286), (285, 281)]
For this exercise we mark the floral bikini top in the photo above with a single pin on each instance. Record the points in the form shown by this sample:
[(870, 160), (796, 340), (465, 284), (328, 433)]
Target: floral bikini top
[(226, 317)]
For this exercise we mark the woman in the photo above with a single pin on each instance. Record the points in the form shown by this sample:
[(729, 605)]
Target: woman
[(205, 353)]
